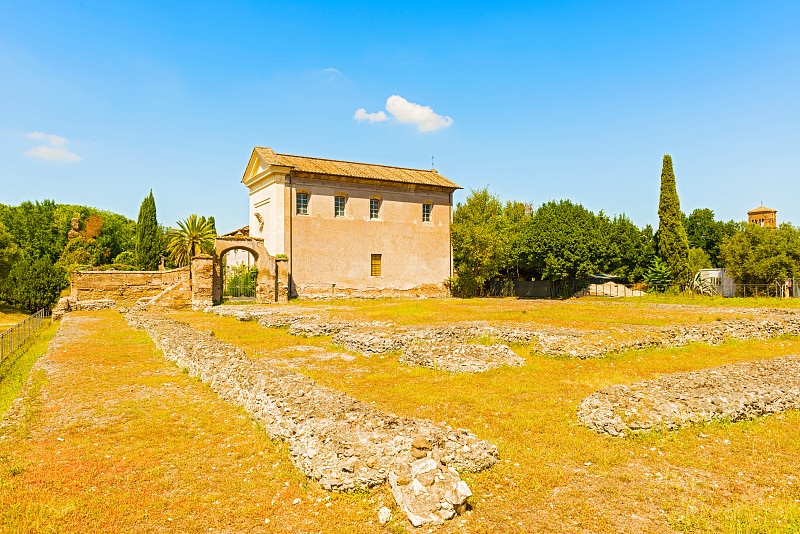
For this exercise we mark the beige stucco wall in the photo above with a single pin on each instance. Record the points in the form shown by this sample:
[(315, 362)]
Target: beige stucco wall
[(268, 199), (332, 254)]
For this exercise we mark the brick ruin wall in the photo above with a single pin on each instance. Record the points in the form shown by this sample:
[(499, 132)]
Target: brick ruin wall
[(127, 287)]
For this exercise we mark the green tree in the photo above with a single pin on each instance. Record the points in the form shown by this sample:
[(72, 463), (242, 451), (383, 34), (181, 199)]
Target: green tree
[(148, 246), (515, 220), (34, 228), (760, 255), (10, 253), (32, 286), (192, 236), (658, 276), (125, 258), (698, 259), (565, 241), (480, 243), (628, 250), (81, 252), (118, 234), (208, 247), (673, 246), (703, 231)]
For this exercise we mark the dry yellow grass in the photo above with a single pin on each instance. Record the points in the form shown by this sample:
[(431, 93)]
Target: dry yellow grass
[(147, 448), (10, 316)]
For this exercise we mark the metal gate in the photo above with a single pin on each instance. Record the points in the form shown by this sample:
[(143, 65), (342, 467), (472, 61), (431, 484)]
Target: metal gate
[(239, 281)]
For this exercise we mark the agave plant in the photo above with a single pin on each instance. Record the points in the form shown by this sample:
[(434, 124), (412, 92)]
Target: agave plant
[(194, 235), (701, 285)]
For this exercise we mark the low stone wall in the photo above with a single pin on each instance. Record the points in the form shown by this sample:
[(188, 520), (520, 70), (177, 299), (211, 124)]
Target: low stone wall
[(460, 358), (341, 442), (382, 337), (67, 304), (446, 348), (326, 292), (727, 393), (128, 287)]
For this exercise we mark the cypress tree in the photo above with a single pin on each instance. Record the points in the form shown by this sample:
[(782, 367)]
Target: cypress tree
[(148, 244), (673, 246)]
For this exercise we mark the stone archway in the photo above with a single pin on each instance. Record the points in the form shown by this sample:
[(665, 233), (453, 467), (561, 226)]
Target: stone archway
[(273, 279)]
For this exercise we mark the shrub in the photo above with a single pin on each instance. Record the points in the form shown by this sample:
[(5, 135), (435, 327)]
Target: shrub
[(32, 286), (126, 258)]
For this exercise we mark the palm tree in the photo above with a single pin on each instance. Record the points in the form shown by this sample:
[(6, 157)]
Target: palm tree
[(193, 236)]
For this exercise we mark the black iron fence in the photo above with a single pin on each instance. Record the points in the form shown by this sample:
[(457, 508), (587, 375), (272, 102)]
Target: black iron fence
[(12, 338)]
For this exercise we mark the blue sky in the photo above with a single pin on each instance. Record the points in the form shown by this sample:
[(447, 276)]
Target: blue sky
[(102, 101)]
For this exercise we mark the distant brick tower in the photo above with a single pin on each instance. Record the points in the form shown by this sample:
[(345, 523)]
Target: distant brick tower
[(763, 216)]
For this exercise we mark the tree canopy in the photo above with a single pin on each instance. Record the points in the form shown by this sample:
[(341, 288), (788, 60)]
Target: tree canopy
[(40, 228), (706, 233), (673, 246), (34, 284), (559, 241), (566, 241), (148, 245), (480, 243), (9, 251), (193, 236), (760, 255)]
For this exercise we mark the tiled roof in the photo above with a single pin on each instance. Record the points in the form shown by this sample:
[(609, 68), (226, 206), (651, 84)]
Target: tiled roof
[(355, 170), (761, 209), (243, 231)]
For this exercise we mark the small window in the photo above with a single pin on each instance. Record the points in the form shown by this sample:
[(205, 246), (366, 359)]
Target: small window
[(375, 265), (302, 203), (374, 208), (426, 212), (338, 206)]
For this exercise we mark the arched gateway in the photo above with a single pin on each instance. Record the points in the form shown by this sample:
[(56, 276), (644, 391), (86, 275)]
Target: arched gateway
[(273, 275)]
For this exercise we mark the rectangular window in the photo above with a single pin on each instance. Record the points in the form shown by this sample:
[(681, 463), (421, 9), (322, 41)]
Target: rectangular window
[(426, 212), (338, 206), (375, 265), (374, 207), (302, 203)]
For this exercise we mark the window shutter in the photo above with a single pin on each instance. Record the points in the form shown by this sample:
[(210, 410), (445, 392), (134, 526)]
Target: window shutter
[(375, 266)]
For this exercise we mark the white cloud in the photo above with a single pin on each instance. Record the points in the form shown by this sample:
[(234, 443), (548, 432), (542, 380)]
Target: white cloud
[(55, 140), (362, 115), (55, 152), (52, 153), (423, 116), (404, 111)]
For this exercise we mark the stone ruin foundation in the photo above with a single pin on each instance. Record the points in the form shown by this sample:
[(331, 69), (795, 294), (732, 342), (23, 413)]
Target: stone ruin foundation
[(727, 393), (341, 442), (377, 337), (448, 348)]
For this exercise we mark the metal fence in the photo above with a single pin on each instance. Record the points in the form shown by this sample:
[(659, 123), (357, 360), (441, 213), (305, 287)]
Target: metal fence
[(564, 289), (14, 336)]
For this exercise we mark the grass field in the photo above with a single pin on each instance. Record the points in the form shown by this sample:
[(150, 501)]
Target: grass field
[(10, 316), (147, 448)]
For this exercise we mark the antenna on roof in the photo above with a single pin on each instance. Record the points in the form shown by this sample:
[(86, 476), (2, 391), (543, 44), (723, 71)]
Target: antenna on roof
[(432, 165)]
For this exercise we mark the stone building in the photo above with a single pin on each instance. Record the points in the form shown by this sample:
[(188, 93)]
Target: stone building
[(763, 216), (352, 228)]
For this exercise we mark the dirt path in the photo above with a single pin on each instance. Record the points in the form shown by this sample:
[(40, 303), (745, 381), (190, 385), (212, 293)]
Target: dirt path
[(109, 437)]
